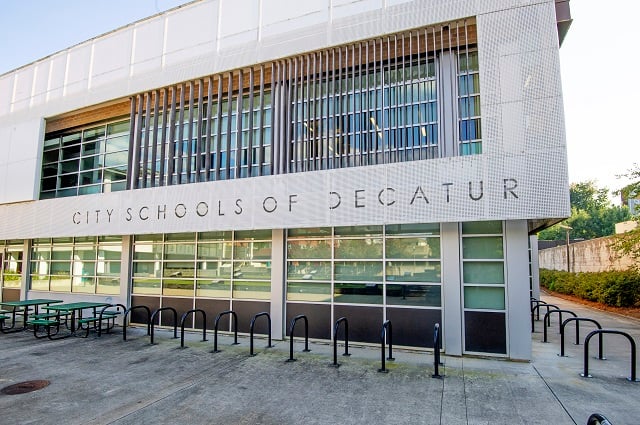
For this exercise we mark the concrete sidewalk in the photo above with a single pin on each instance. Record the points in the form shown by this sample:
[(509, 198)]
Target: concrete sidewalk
[(108, 381)]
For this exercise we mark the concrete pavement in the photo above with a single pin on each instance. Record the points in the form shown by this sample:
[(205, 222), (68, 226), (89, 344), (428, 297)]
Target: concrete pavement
[(108, 381)]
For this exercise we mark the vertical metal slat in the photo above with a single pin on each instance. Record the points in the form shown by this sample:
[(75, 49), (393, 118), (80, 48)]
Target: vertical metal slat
[(207, 148), (172, 136), (163, 138), (198, 152), (154, 142), (132, 141)]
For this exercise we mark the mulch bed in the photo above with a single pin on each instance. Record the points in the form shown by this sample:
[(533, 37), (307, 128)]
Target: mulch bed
[(625, 311)]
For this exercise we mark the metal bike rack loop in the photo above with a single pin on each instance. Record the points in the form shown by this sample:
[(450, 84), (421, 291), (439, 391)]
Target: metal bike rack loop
[(175, 320), (306, 335), (537, 309), (537, 302), (386, 330), (253, 321), (129, 310), (598, 419), (336, 327), (547, 320), (436, 351), (204, 327), (102, 313), (585, 373), (578, 320), (215, 329)]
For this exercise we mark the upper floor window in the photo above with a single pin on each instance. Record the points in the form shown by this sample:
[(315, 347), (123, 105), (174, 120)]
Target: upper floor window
[(399, 97), (84, 161), (469, 128)]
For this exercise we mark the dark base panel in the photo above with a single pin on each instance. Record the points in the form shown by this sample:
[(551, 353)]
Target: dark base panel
[(138, 315), (365, 323), (10, 294), (212, 308), (485, 332), (318, 315), (246, 310), (413, 327), (181, 305)]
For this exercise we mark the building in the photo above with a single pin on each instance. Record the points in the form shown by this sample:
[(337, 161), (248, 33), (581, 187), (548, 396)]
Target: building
[(378, 160)]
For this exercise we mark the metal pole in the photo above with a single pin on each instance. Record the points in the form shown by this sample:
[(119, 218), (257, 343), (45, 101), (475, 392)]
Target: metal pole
[(568, 260)]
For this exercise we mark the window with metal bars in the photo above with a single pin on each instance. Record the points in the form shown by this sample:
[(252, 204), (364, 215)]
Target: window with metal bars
[(400, 97)]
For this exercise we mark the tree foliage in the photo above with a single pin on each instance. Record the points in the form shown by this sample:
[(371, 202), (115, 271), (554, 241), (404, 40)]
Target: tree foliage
[(592, 215), (629, 243)]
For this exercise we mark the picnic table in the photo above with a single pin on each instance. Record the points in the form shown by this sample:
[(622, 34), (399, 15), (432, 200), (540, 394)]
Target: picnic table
[(25, 305), (75, 311)]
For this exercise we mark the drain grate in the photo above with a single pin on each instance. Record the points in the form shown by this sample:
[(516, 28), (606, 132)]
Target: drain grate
[(24, 387)]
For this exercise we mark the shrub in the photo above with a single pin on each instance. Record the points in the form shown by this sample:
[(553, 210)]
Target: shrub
[(614, 288)]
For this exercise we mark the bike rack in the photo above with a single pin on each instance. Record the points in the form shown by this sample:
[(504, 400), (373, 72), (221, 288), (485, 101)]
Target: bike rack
[(336, 327), (598, 419), (537, 302), (126, 313), (537, 309), (436, 351), (578, 320), (253, 321), (204, 328), (585, 374), (547, 319), (105, 308), (306, 335), (175, 320), (215, 329), (386, 326)]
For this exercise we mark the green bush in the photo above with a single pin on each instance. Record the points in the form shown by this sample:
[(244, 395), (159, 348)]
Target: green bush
[(614, 288)]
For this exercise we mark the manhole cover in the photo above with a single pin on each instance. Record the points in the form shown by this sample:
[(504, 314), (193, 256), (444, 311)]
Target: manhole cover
[(24, 387)]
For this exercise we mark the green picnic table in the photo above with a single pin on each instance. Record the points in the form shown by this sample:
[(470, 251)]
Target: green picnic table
[(72, 308), (25, 304)]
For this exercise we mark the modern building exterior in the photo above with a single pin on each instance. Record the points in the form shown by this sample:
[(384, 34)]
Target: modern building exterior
[(373, 159)]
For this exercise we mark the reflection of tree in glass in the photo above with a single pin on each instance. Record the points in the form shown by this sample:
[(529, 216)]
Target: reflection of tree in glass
[(359, 248), (413, 248), (309, 249)]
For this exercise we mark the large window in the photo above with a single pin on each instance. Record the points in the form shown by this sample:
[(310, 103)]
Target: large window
[(395, 265), (382, 112), (84, 264), (89, 160), (483, 278), (221, 265), (186, 156), (400, 97), (469, 128), (11, 255)]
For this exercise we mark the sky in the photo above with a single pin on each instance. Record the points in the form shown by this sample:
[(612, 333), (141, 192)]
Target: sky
[(600, 89)]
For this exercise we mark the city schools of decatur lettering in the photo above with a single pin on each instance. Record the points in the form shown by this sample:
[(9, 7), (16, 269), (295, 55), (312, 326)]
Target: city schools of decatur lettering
[(355, 198)]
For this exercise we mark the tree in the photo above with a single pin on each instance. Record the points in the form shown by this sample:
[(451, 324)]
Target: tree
[(592, 215), (629, 243)]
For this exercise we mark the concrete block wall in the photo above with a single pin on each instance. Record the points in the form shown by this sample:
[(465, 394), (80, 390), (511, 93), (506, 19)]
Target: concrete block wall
[(595, 255)]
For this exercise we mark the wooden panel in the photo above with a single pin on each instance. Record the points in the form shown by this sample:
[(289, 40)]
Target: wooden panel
[(118, 109)]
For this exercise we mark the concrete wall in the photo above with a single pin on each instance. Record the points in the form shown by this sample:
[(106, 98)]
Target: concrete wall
[(594, 255)]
